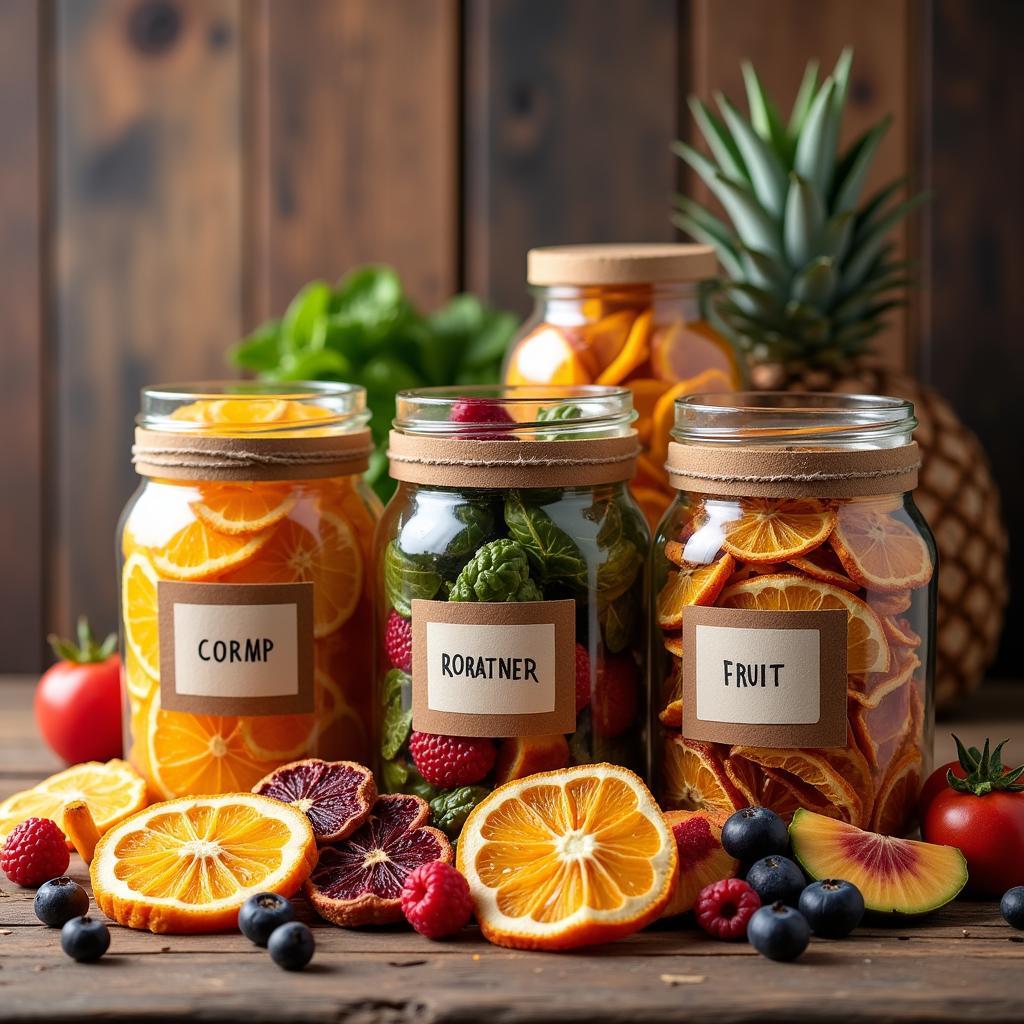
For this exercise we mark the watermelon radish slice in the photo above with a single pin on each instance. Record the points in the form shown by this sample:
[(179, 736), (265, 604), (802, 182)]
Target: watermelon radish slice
[(895, 876)]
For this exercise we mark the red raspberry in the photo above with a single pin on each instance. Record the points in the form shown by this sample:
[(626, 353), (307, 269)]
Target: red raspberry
[(451, 760), (436, 900), (582, 678), (478, 410), (724, 908), (615, 695), (35, 852), (398, 641)]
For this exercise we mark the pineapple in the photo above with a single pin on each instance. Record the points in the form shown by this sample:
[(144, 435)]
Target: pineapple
[(808, 277)]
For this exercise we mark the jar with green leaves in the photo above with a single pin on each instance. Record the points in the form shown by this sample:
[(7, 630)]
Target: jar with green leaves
[(512, 565)]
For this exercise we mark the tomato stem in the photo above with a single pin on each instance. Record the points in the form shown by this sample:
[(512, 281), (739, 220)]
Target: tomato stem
[(983, 771), (87, 651)]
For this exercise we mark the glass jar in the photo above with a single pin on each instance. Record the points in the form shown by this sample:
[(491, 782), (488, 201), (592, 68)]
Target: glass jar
[(794, 598), (513, 591), (625, 315), (247, 583)]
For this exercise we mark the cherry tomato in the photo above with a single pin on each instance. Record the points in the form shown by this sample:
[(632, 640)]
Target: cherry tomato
[(935, 784)]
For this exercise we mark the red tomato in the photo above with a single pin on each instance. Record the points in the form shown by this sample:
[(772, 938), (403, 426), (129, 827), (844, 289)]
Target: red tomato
[(935, 784), (78, 709)]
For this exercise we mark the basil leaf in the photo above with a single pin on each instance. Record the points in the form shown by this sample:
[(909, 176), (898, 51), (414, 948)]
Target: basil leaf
[(553, 554), (621, 565), (406, 579), (499, 571), (558, 413), (393, 775), (397, 721), (617, 618), (451, 808), (479, 525), (418, 786)]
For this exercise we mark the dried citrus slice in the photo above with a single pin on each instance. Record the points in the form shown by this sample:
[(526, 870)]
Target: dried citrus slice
[(679, 350), (526, 755), (777, 529), (112, 790), (244, 508), (695, 779), (547, 357), (607, 336), (853, 766), (198, 553), (140, 614), (646, 392), (568, 858), (240, 411), (633, 353), (895, 603), (702, 861), (359, 880), (882, 729), (823, 564), (195, 754), (187, 865), (900, 632), (137, 681), (331, 561), (671, 715), (866, 646), (871, 688), (664, 414), (673, 644), (880, 551), (897, 795), (282, 738), (336, 796), (691, 584)]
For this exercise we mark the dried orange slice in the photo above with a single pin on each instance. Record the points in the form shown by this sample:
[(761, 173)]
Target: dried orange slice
[(702, 861), (198, 553), (871, 688), (112, 790), (547, 357), (663, 418), (691, 584), (900, 632), (695, 779), (679, 350), (673, 644), (140, 613), (823, 564), (897, 795), (188, 865), (646, 392), (568, 858), (775, 529), (331, 562), (880, 551), (244, 508), (866, 647), (137, 681), (671, 715), (607, 336), (526, 755), (895, 603), (282, 738), (634, 352)]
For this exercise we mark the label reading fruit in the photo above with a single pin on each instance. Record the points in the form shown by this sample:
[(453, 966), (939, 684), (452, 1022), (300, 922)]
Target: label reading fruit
[(494, 669), (236, 649), (764, 679)]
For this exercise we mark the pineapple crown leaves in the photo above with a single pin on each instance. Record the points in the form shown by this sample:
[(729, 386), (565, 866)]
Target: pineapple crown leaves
[(809, 268)]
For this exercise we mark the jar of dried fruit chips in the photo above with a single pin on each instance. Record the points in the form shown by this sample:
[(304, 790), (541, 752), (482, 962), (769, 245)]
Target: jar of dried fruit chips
[(247, 583), (794, 602), (625, 315), (513, 590)]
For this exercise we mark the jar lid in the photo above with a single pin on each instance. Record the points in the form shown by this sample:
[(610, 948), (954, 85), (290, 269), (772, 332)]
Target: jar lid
[(620, 263)]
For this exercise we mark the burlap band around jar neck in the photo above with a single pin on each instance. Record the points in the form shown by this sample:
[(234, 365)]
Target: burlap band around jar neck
[(793, 472), (463, 462), (173, 455)]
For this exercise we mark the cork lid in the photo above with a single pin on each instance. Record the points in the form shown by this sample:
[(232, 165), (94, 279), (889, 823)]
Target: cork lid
[(625, 263)]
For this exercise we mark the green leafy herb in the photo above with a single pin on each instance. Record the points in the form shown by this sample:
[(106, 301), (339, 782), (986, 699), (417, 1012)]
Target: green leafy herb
[(499, 571), (558, 413), (617, 618), (553, 554), (615, 575), (418, 786), (397, 723), (393, 775), (406, 579), (451, 808), (479, 525)]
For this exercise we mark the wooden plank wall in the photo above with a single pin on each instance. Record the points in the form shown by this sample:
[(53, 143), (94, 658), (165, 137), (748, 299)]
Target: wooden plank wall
[(173, 170)]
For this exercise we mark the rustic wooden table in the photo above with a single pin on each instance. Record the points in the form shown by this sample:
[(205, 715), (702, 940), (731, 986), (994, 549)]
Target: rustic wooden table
[(959, 965)]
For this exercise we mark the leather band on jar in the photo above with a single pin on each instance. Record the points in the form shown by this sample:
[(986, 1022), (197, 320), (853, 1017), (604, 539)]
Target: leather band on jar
[(463, 462), (793, 472)]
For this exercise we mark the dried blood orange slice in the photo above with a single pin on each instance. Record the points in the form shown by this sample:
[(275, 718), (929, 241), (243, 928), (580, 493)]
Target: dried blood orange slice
[(897, 795), (198, 553), (866, 647), (244, 508), (695, 778), (359, 880), (526, 755), (823, 564), (895, 603), (702, 861), (879, 550), (336, 796), (777, 529), (691, 584), (746, 777)]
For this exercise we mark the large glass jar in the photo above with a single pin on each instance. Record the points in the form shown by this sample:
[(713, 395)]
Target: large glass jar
[(246, 563), (794, 595), (513, 591), (625, 315)]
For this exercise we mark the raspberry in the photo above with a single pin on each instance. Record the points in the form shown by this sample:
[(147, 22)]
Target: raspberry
[(451, 760), (615, 695), (724, 908), (35, 852), (582, 678), (478, 410), (398, 641), (436, 900)]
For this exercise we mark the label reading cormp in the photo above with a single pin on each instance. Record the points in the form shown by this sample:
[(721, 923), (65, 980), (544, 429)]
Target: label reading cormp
[(493, 669), (766, 679), (236, 649)]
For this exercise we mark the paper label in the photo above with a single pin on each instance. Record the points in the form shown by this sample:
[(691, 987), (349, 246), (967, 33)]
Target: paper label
[(767, 679), (494, 669), (236, 649)]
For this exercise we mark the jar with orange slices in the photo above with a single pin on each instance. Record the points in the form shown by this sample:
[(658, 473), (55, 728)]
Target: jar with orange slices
[(794, 595), (246, 568), (625, 315)]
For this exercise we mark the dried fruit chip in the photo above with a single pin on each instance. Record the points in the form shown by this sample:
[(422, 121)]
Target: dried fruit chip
[(688, 585), (871, 688), (823, 564), (244, 508), (776, 530), (671, 715), (695, 778), (526, 755), (897, 795), (899, 631), (880, 551), (895, 603), (702, 861), (196, 552)]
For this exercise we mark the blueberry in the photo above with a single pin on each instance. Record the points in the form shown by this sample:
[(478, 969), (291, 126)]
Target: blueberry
[(291, 946), (1011, 906), (84, 939), (261, 914), (754, 832), (779, 932), (776, 879), (833, 908), (59, 900)]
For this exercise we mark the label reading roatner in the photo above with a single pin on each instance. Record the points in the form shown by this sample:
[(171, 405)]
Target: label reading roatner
[(493, 669)]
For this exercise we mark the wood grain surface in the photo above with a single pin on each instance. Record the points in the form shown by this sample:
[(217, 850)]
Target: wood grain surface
[(960, 964)]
